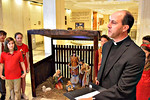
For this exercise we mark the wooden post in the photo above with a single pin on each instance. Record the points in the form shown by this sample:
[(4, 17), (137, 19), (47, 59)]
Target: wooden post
[(53, 57), (96, 38), (31, 65)]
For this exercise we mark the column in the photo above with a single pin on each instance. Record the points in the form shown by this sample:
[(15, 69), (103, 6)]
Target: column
[(54, 17), (143, 23), (49, 21), (60, 14)]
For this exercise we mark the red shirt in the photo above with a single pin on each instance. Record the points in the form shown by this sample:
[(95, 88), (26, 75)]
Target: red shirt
[(98, 58), (24, 49), (12, 64)]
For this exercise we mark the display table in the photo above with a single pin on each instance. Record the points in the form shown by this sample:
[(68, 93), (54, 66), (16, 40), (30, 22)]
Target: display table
[(85, 92)]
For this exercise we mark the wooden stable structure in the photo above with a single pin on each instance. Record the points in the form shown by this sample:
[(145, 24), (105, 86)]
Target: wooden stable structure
[(45, 68)]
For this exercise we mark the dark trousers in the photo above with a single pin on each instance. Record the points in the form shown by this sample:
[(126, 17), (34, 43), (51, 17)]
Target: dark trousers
[(2, 87)]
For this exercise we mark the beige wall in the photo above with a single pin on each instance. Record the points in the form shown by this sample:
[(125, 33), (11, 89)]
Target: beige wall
[(36, 16), (143, 23), (12, 17), (20, 16), (60, 14), (103, 27), (1, 17)]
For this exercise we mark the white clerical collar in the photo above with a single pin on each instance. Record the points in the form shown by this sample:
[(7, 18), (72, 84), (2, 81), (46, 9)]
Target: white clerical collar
[(115, 43)]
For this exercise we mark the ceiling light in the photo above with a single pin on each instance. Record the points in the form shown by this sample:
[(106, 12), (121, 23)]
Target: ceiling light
[(19, 2)]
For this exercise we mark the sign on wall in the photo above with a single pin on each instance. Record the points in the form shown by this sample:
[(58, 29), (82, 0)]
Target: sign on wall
[(80, 16)]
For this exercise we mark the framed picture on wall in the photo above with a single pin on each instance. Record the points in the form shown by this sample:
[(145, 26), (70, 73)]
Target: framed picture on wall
[(79, 26)]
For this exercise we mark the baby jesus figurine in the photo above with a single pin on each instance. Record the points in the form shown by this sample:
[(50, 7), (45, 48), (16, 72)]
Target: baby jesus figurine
[(58, 80), (69, 86)]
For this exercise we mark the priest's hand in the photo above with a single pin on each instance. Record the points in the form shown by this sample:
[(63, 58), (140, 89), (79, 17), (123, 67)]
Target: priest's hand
[(97, 82)]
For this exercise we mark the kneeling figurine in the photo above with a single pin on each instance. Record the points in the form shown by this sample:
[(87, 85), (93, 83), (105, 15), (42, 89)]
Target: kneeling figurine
[(58, 80)]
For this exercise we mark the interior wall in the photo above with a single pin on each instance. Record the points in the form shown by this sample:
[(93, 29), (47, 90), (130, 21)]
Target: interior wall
[(20, 16), (36, 16), (12, 17), (1, 17), (143, 23), (103, 23), (60, 14)]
